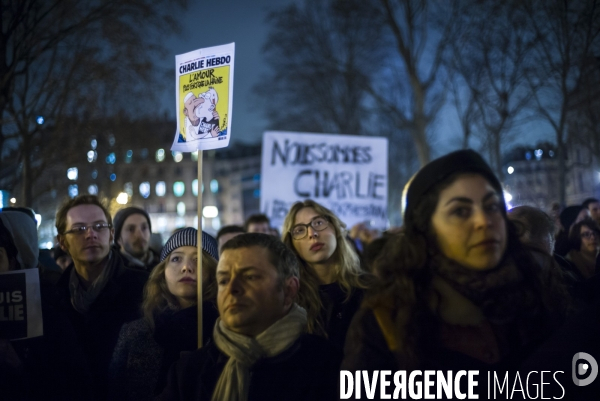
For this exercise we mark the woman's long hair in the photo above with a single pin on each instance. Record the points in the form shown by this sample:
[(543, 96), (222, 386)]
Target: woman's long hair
[(348, 271), (575, 233), (158, 298), (404, 274)]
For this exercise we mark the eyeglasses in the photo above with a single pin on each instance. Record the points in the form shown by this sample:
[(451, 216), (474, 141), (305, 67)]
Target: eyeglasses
[(97, 227), (589, 234), (318, 223)]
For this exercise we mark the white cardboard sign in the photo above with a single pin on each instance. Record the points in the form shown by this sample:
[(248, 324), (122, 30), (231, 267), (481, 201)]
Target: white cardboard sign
[(345, 173)]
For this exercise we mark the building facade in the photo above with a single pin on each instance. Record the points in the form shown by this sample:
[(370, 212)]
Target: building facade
[(127, 171), (532, 176)]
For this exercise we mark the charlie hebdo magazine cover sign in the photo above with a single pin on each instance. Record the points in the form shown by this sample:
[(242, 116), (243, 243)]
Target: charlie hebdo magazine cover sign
[(345, 173), (204, 95)]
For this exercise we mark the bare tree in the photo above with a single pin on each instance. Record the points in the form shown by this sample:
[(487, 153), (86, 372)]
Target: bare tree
[(568, 32), (463, 97), (412, 90), (492, 56), (584, 120), (321, 56), (65, 62)]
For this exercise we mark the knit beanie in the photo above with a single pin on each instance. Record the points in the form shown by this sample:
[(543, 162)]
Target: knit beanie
[(189, 237), (461, 161), (123, 214)]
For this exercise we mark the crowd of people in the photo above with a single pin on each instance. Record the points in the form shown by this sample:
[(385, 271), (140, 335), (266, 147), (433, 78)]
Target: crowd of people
[(464, 284)]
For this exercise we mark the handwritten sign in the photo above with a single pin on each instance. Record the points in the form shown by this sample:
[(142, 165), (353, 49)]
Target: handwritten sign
[(20, 304), (347, 174)]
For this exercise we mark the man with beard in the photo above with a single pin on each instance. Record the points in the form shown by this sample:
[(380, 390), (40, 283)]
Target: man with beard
[(132, 236), (201, 117)]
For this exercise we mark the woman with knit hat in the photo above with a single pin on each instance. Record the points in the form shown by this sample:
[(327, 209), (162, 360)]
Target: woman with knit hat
[(147, 347), (456, 289)]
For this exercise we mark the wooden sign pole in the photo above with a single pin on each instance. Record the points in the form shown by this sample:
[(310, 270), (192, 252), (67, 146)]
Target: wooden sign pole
[(199, 270)]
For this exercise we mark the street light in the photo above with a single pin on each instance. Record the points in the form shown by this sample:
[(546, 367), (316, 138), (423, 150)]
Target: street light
[(122, 198), (210, 212)]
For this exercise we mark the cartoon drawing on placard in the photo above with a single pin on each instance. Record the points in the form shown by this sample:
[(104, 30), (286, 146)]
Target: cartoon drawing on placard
[(201, 116)]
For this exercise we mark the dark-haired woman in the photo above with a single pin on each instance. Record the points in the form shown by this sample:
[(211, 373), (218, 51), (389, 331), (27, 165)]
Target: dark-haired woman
[(584, 239), (456, 290), (149, 346), (569, 216)]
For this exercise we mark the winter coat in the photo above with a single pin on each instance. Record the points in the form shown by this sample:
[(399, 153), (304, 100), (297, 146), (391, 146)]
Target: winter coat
[(578, 335), (463, 339), (142, 357), (54, 366), (308, 370), (98, 330), (585, 265), (337, 312)]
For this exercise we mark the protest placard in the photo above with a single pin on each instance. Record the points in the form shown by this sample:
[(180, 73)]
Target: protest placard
[(204, 96), (20, 305), (347, 174)]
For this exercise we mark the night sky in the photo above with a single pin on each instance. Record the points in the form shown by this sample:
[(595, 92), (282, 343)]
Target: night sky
[(244, 23)]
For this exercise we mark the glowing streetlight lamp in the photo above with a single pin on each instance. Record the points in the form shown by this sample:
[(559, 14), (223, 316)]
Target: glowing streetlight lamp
[(122, 198), (210, 212)]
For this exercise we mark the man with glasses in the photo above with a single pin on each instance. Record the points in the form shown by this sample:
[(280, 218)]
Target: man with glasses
[(97, 292)]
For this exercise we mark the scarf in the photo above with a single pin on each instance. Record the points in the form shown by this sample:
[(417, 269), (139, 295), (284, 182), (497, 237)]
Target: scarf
[(142, 262), (82, 299), (584, 263), (499, 292), (244, 351)]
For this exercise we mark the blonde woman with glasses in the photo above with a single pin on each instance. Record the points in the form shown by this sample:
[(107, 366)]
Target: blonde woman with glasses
[(332, 279)]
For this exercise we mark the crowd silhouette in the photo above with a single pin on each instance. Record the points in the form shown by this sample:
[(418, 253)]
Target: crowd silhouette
[(463, 285)]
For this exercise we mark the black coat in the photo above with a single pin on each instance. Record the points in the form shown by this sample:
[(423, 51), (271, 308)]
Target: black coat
[(580, 333), (98, 330), (337, 312), (308, 370), (54, 367), (143, 356)]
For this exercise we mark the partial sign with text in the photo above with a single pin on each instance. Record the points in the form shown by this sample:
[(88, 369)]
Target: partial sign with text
[(20, 305)]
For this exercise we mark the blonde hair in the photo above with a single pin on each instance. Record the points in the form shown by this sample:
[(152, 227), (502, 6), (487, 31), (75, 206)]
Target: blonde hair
[(158, 298), (348, 271)]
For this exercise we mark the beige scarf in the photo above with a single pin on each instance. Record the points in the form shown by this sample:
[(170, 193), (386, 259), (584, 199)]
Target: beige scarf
[(244, 351)]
